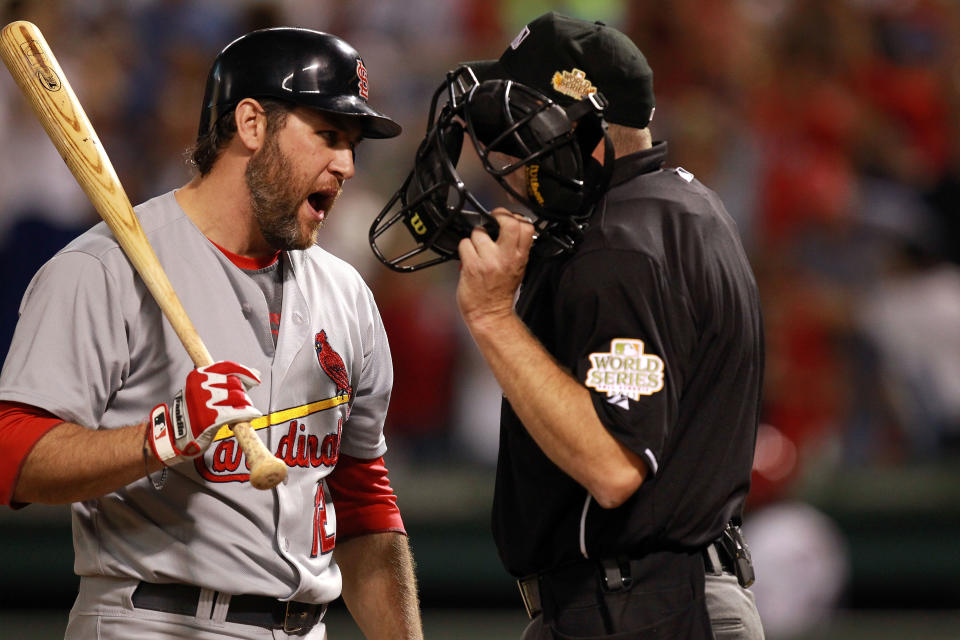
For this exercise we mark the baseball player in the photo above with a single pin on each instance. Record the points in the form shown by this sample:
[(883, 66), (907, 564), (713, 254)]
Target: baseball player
[(632, 359), (100, 405)]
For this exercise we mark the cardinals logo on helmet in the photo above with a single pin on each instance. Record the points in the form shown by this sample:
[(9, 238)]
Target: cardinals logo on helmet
[(362, 77)]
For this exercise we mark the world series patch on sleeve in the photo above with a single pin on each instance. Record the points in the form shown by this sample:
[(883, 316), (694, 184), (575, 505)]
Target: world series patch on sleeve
[(625, 371)]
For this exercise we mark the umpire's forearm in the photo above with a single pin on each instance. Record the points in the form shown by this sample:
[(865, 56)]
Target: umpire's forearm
[(71, 463), (379, 585), (556, 410)]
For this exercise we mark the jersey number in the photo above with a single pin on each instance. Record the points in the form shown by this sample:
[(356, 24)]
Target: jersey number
[(322, 543)]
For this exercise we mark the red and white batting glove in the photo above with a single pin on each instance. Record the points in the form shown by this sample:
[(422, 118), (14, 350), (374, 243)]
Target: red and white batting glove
[(213, 396)]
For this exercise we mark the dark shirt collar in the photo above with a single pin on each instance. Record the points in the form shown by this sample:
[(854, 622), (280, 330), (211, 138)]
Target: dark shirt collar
[(638, 163)]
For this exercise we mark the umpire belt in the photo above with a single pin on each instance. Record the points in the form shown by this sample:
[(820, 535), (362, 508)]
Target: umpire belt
[(259, 611), (612, 574)]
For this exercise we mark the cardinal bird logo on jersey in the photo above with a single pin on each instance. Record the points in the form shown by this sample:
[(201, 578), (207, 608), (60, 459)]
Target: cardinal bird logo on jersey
[(332, 364)]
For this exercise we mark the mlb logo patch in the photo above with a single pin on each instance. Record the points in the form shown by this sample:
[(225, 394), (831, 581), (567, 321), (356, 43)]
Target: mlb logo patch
[(520, 38)]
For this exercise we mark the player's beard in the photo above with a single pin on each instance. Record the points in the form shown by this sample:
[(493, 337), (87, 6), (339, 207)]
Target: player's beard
[(276, 198)]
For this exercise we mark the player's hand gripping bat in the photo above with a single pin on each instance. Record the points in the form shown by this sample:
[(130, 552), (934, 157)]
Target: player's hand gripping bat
[(36, 71)]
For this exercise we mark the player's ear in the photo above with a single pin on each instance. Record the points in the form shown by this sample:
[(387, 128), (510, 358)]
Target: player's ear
[(251, 121)]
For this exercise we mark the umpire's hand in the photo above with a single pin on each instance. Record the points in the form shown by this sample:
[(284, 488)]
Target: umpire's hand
[(492, 271)]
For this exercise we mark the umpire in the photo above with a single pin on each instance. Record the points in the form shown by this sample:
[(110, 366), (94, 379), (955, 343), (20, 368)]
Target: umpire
[(631, 369)]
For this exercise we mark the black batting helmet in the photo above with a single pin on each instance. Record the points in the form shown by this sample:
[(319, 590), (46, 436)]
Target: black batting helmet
[(302, 66)]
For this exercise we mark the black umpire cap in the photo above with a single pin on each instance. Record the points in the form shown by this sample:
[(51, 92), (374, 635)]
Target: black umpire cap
[(566, 59)]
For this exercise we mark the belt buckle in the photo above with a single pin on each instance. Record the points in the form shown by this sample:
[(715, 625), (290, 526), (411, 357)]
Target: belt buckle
[(530, 594), (296, 621)]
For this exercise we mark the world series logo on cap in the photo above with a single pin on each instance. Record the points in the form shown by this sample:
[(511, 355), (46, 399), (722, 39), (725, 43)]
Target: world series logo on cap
[(573, 83)]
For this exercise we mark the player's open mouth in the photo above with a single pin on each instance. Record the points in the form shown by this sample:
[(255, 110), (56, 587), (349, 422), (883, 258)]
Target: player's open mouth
[(319, 203)]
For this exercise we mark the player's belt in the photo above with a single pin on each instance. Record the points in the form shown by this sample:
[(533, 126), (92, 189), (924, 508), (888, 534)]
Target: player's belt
[(259, 611)]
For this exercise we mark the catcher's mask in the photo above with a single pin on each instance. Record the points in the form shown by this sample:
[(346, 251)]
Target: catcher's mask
[(514, 130)]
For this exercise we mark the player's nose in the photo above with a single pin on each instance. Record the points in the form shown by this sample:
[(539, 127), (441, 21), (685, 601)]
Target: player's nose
[(341, 165)]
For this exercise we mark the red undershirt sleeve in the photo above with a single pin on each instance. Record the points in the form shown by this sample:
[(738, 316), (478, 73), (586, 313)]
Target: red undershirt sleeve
[(21, 426), (363, 498)]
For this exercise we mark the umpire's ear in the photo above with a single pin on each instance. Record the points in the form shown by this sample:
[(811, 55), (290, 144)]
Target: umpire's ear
[(251, 122)]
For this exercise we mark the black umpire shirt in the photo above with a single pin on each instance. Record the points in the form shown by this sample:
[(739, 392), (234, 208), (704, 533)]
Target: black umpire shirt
[(657, 313)]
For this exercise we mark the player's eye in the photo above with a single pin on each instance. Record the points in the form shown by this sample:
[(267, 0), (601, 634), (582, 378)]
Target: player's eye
[(330, 137), (335, 139)]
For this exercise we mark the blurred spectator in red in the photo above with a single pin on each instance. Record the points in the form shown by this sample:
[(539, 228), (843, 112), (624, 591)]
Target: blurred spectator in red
[(424, 342)]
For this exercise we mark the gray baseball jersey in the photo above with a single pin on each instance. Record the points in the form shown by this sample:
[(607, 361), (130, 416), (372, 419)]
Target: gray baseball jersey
[(93, 348)]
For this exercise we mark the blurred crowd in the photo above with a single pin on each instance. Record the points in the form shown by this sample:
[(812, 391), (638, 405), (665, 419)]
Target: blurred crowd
[(829, 127)]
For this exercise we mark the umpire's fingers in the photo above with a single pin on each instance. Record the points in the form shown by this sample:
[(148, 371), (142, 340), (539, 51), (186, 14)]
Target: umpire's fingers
[(468, 253), (516, 232), (483, 244)]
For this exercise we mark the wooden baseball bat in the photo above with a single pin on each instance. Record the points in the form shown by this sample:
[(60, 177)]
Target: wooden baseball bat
[(35, 69)]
